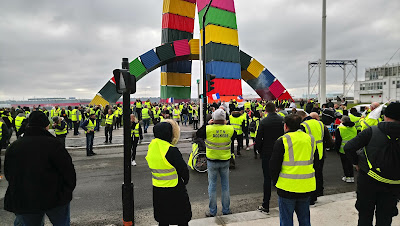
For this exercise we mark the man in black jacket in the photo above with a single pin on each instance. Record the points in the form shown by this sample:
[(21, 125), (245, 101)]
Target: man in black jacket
[(4, 136), (40, 175), (270, 129), (378, 183)]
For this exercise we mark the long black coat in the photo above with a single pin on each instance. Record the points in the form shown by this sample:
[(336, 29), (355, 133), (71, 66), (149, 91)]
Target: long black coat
[(270, 129), (39, 172)]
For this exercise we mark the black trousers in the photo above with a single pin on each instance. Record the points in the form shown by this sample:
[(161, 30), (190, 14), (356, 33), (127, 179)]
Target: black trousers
[(108, 132), (319, 178), (267, 182), (373, 196), (76, 127), (117, 122), (139, 113), (195, 122), (134, 146), (61, 139), (347, 166), (239, 139)]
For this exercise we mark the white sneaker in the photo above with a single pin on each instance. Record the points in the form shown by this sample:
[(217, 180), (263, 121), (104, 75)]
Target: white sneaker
[(344, 178), (247, 149), (133, 163), (349, 179)]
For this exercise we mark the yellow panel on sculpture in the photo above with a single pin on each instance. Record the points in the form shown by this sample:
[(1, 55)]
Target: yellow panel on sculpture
[(175, 79), (255, 68), (222, 35), (194, 46), (99, 100), (180, 7)]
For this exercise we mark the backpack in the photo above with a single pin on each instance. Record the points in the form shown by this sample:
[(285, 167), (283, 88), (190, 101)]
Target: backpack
[(253, 126)]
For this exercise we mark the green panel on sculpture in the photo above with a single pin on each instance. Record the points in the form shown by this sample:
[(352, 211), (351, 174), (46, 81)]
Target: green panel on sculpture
[(175, 92), (137, 69), (219, 17), (244, 60)]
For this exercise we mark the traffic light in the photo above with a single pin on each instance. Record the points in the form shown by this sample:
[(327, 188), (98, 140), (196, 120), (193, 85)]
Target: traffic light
[(210, 82), (124, 81)]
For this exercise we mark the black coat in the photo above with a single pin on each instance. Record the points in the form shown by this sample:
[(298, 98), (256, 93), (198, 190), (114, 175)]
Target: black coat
[(269, 130), (39, 172), (172, 205)]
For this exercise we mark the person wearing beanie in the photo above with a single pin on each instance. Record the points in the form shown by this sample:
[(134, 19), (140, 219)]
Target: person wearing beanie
[(30, 196), (378, 165), (60, 128), (218, 138), (88, 126), (170, 175)]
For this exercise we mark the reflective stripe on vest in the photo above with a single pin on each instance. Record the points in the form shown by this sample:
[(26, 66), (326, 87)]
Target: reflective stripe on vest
[(175, 114), (368, 122), (297, 172), (91, 125), (347, 133), (218, 141), (135, 131), (236, 122), (163, 173), (316, 129), (1, 130), (109, 119), (145, 113), (62, 131), (18, 122)]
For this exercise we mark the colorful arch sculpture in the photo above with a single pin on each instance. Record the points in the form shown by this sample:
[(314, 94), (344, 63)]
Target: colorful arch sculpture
[(178, 49)]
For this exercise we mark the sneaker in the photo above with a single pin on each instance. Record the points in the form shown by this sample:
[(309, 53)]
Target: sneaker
[(247, 149), (93, 153), (344, 178), (1, 177), (133, 163), (208, 214), (105, 142), (262, 209), (228, 213), (349, 179), (110, 142)]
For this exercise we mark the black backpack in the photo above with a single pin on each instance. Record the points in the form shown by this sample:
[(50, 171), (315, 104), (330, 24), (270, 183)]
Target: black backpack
[(253, 126)]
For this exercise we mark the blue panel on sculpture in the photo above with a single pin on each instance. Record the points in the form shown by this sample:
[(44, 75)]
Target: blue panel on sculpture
[(263, 81), (226, 70), (178, 67), (150, 59)]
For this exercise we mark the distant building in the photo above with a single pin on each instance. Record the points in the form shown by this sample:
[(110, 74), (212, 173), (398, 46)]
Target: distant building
[(381, 84)]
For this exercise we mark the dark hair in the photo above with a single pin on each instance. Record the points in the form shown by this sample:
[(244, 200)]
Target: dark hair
[(270, 107), (353, 111), (293, 122)]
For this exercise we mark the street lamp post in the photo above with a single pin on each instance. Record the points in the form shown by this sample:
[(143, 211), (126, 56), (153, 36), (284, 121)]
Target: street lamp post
[(203, 59)]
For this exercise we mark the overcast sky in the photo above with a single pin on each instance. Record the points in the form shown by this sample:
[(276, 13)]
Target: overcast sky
[(53, 48)]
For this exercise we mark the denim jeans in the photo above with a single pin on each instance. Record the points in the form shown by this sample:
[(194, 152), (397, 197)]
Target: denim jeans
[(146, 123), (185, 119), (89, 143), (221, 169), (300, 206), (59, 216)]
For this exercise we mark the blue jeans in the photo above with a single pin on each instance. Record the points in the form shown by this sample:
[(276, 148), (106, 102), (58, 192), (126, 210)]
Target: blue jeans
[(185, 119), (98, 122), (300, 206), (146, 123), (221, 168), (59, 216), (89, 143)]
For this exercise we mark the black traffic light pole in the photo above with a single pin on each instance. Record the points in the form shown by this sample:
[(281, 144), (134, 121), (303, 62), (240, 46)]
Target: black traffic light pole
[(127, 186), (204, 65)]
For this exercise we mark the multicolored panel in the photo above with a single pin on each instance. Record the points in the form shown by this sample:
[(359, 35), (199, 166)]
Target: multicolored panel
[(175, 92), (221, 35), (218, 17), (150, 60), (182, 47), (285, 96), (226, 87), (137, 69), (180, 7), (177, 22), (220, 69), (175, 79), (99, 100), (277, 89)]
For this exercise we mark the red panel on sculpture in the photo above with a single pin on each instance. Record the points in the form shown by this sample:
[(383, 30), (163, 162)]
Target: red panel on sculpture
[(227, 87), (276, 89), (182, 47), (285, 96), (177, 22)]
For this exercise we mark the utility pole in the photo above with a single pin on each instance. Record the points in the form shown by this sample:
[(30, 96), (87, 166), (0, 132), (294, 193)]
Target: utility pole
[(322, 80), (203, 59)]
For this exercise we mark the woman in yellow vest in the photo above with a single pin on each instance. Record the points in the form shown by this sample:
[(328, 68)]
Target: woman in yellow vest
[(345, 132), (170, 176), (136, 134)]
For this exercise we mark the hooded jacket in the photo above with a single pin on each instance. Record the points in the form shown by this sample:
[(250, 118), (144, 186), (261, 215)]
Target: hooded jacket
[(39, 172)]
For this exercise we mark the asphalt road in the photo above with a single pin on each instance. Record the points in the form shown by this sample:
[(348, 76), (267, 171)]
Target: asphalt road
[(97, 197)]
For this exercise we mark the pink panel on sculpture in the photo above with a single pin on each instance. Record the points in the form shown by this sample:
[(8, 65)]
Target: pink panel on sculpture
[(276, 89), (227, 5), (182, 47)]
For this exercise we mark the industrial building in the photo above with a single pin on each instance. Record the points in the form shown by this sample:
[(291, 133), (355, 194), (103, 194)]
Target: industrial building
[(381, 84)]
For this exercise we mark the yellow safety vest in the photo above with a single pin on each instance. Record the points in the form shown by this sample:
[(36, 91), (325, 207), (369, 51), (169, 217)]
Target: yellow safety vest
[(176, 114), (18, 122), (1, 130), (73, 115), (281, 114), (297, 172), (316, 129), (247, 105), (119, 111), (356, 120), (368, 122), (135, 131), (164, 174), (244, 116), (109, 119), (145, 113), (116, 113), (90, 125), (138, 104), (62, 131), (257, 120), (218, 141), (237, 124), (156, 113), (347, 133)]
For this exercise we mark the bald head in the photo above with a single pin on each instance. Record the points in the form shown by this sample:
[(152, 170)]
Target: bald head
[(314, 115), (374, 105)]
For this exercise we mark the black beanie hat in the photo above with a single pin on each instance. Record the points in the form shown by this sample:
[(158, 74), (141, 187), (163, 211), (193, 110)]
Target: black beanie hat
[(393, 111), (38, 119)]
